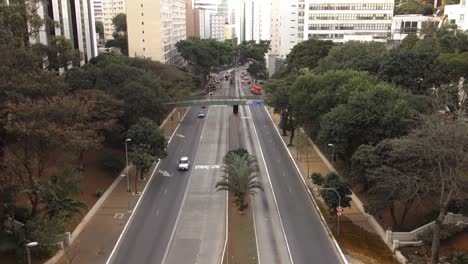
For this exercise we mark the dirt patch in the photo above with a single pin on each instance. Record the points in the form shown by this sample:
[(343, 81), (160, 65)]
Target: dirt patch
[(241, 248)]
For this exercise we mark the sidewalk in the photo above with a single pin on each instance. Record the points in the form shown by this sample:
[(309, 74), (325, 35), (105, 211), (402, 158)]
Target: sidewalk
[(94, 241), (357, 237)]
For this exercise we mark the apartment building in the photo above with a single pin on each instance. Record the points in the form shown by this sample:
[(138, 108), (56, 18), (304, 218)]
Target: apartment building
[(111, 8), (154, 27), (458, 15), (341, 21), (190, 19), (98, 10), (217, 23)]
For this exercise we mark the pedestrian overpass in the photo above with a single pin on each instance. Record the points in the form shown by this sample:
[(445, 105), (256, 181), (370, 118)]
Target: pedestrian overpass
[(219, 100)]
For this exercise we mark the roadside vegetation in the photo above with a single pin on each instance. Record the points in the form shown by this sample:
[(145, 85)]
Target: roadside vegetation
[(55, 115), (383, 113), (206, 55)]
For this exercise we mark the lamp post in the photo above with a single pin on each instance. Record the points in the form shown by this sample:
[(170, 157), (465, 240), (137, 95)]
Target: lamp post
[(30, 245), (126, 173), (333, 153)]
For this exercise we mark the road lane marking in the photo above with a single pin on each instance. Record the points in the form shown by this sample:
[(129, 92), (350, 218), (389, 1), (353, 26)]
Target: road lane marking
[(180, 135), (324, 223), (171, 239), (207, 167), (109, 259), (118, 216), (164, 173), (272, 191), (157, 212), (165, 191)]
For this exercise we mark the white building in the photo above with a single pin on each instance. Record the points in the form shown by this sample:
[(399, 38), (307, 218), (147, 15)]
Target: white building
[(154, 27), (254, 20), (111, 8), (74, 21), (402, 25), (217, 27), (458, 14), (341, 21), (98, 10)]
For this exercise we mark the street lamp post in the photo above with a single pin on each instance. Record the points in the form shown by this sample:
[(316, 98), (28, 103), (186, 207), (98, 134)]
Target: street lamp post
[(333, 153), (29, 245), (126, 173)]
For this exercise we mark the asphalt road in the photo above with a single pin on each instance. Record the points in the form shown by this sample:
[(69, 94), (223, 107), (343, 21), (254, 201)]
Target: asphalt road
[(271, 244), (149, 233), (307, 238)]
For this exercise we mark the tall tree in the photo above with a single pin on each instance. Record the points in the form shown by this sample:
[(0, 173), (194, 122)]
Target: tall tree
[(366, 118), (240, 177), (120, 34), (146, 134)]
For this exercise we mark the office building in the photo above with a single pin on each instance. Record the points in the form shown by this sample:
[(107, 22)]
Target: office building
[(458, 15), (111, 8), (341, 21), (154, 27), (74, 21)]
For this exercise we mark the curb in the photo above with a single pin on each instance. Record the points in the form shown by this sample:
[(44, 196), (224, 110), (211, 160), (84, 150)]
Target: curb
[(330, 234)]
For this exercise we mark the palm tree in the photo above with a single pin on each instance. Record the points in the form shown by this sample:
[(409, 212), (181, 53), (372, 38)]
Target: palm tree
[(58, 192), (240, 177)]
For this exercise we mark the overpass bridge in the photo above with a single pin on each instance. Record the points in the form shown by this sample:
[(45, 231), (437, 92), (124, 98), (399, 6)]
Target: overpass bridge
[(219, 100)]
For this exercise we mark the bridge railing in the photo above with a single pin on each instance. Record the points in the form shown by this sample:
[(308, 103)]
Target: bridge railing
[(217, 100)]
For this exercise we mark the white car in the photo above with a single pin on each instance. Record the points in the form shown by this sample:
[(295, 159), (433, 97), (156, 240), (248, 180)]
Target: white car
[(184, 164), (201, 114)]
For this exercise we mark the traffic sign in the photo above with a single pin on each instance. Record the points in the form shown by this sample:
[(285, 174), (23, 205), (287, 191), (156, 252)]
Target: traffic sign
[(338, 213), (339, 209), (256, 103)]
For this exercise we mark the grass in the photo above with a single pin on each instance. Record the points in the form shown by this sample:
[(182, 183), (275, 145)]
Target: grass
[(241, 248)]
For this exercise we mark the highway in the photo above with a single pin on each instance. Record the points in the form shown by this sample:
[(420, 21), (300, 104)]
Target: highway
[(181, 218), (306, 239)]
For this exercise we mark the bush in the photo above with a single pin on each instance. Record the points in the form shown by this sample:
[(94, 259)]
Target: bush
[(446, 231), (317, 178), (112, 163), (45, 231), (460, 258)]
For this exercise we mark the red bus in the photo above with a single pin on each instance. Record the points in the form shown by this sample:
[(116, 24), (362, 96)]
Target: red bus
[(256, 89)]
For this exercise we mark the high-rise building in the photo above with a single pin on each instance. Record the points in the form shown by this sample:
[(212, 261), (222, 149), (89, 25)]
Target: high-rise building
[(341, 21), (217, 23), (154, 27), (254, 20), (98, 12), (190, 19), (111, 8), (458, 15), (74, 21)]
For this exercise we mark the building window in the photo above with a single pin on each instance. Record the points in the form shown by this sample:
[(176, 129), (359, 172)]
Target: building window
[(142, 23)]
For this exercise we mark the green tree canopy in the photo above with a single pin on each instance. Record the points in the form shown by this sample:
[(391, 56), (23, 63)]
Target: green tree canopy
[(307, 54), (147, 133), (353, 55), (413, 7), (367, 117)]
